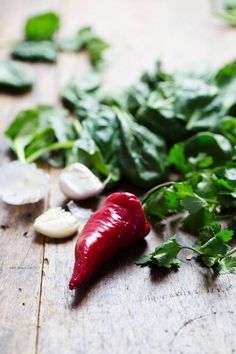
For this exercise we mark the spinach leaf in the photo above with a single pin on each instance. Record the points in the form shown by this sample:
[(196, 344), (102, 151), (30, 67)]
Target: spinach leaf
[(21, 131), (86, 39), (35, 51), (75, 93), (78, 41), (153, 78), (15, 77), (42, 27), (86, 151), (226, 81), (38, 131), (175, 109), (98, 52), (227, 128), (214, 145), (158, 114), (142, 153), (224, 186), (103, 126), (198, 103), (135, 97)]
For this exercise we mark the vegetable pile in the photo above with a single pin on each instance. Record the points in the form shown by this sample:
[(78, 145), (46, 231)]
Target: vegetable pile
[(180, 124)]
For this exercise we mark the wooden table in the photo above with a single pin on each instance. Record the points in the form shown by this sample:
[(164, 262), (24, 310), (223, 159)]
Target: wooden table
[(125, 309)]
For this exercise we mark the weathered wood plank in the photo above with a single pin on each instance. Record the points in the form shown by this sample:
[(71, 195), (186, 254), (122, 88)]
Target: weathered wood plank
[(124, 309), (21, 253)]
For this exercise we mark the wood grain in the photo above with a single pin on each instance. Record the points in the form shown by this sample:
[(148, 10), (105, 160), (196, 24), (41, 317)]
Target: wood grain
[(124, 309)]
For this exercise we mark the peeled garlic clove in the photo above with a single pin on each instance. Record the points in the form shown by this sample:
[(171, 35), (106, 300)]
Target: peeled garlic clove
[(56, 223), (77, 182), (22, 183)]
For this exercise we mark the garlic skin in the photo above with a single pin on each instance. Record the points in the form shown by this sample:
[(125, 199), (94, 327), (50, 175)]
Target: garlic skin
[(22, 183), (80, 213), (77, 182), (56, 223)]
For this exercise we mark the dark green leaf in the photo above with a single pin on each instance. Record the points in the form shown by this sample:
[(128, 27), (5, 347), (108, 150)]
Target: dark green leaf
[(194, 222), (226, 81), (201, 161), (142, 154), (162, 203), (78, 41), (177, 158), (40, 130), (214, 145), (227, 128), (35, 51), (208, 231), (156, 76), (15, 77), (194, 203), (135, 96), (144, 261), (97, 49), (158, 114), (86, 39), (226, 265), (163, 256), (75, 93)]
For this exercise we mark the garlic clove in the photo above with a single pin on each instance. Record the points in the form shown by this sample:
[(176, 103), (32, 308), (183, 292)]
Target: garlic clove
[(77, 182), (56, 223), (22, 183)]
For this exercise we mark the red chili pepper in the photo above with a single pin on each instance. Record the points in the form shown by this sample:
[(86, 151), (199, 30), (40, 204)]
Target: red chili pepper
[(117, 224)]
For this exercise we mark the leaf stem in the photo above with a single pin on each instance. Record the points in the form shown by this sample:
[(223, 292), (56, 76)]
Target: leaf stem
[(106, 181), (231, 252), (52, 147), (154, 189), (191, 249)]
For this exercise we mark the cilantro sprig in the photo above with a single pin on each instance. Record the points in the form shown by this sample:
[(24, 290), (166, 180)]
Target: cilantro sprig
[(212, 249), (203, 199)]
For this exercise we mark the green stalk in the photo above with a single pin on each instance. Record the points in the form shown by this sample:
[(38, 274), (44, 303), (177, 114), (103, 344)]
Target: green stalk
[(52, 147), (191, 249), (231, 252), (154, 189)]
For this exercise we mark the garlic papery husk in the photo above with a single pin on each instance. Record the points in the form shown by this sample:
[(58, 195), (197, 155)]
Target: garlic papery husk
[(56, 223), (22, 183), (83, 214), (77, 182)]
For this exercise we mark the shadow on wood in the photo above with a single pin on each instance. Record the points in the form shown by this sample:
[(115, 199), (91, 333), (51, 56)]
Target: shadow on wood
[(121, 259)]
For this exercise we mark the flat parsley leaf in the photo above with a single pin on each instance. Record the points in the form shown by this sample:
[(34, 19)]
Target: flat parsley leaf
[(163, 256)]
